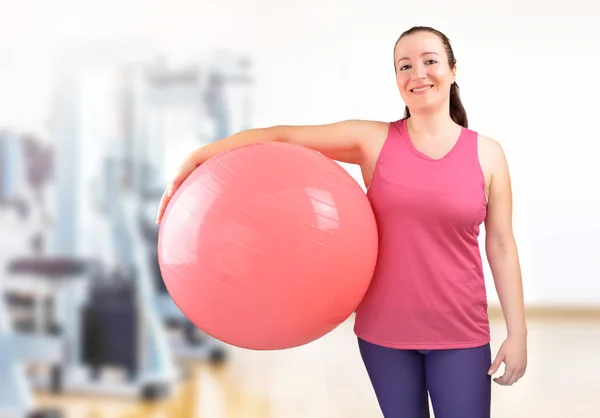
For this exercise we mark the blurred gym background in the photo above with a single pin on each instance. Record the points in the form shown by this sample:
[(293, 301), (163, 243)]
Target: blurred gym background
[(100, 101)]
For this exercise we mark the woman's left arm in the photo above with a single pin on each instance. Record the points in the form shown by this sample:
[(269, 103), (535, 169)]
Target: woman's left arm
[(503, 258)]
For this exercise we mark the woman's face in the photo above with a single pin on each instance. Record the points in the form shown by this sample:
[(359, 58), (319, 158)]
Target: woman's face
[(423, 75)]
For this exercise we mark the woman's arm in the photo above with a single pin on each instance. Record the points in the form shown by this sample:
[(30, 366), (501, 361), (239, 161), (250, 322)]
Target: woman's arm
[(502, 255), (500, 244), (344, 141)]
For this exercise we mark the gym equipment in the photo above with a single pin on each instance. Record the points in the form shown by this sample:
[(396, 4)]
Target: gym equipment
[(105, 318), (107, 309), (22, 344), (114, 328), (216, 95), (268, 246), (17, 348)]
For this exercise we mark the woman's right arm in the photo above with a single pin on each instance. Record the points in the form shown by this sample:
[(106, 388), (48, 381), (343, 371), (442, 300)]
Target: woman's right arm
[(343, 141)]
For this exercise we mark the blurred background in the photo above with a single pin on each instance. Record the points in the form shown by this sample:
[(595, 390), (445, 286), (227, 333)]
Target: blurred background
[(101, 100)]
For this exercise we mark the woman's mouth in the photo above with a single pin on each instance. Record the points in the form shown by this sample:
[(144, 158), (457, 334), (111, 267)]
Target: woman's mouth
[(421, 89)]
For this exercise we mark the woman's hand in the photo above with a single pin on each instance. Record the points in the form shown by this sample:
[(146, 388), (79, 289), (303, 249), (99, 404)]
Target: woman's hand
[(185, 169), (513, 352)]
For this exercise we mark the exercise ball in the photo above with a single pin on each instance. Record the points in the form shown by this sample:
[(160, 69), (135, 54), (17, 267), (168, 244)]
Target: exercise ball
[(268, 246)]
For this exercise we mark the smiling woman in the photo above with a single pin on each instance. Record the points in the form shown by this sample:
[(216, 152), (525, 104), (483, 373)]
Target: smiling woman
[(422, 327)]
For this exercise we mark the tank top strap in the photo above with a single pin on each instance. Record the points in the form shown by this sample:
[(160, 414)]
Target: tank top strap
[(394, 142), (471, 151), (467, 145), (467, 150)]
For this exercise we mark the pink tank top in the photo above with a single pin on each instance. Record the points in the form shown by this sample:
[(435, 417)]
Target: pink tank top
[(428, 291)]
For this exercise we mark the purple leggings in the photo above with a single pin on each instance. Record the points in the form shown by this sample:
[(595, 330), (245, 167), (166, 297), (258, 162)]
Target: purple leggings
[(456, 380)]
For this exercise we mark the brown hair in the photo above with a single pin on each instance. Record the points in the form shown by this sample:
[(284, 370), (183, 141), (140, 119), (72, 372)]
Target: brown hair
[(457, 110)]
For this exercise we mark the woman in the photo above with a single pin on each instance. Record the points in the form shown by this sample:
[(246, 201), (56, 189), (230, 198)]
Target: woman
[(422, 327)]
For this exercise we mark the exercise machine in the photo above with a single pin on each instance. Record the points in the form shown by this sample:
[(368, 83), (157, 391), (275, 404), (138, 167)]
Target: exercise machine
[(21, 346), (101, 314), (110, 306), (201, 104), (17, 349)]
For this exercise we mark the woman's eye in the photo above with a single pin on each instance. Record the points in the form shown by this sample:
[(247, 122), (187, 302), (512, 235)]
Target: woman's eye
[(429, 62)]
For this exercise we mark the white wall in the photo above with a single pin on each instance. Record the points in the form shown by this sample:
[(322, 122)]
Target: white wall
[(528, 73)]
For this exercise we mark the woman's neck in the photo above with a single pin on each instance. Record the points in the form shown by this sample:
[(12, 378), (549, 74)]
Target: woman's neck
[(431, 125)]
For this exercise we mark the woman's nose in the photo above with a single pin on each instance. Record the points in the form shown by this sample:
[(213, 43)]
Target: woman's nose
[(419, 72)]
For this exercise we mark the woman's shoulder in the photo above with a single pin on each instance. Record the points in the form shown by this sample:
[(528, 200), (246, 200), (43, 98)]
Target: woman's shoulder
[(491, 156), (489, 146)]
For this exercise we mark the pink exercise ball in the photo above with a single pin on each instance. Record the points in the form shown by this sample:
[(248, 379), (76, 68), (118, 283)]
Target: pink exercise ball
[(268, 246)]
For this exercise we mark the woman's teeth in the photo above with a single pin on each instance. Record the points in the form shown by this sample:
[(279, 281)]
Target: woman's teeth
[(421, 89)]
